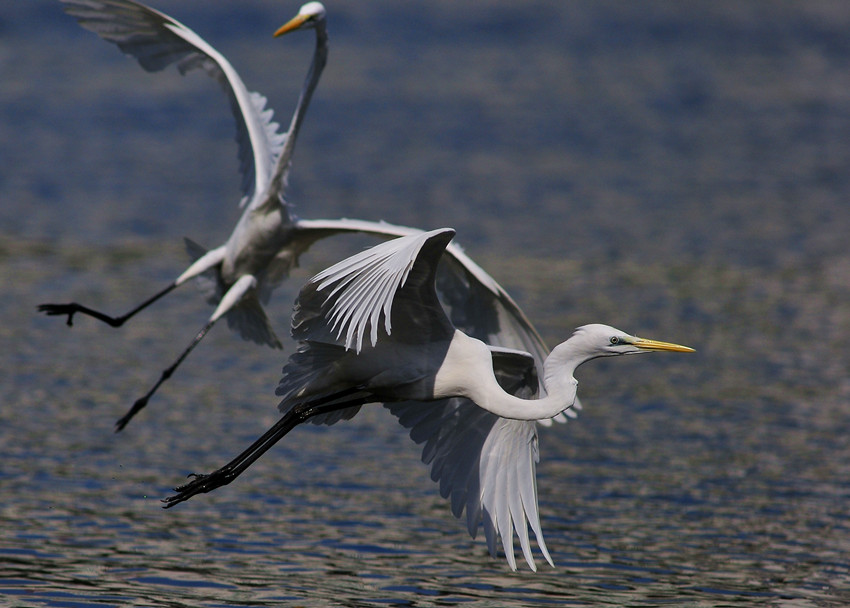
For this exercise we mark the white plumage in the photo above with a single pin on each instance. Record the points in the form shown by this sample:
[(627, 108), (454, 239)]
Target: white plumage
[(268, 239), (372, 329)]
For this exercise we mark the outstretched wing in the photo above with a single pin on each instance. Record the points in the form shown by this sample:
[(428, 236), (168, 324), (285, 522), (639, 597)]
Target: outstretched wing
[(247, 317), (477, 304), (484, 464), (387, 287), (481, 308), (515, 371), (157, 41)]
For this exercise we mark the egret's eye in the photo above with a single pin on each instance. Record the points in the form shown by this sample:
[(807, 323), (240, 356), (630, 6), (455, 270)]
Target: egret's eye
[(614, 340)]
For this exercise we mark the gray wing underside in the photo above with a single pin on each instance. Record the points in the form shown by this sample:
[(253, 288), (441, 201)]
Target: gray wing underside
[(474, 301), (385, 290), (247, 317), (481, 308), (157, 41), (477, 303), (485, 464)]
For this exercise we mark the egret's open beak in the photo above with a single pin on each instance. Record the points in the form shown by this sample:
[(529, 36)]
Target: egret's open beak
[(645, 344), (293, 24)]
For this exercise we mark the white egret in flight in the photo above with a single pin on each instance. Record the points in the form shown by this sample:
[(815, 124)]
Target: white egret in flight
[(371, 329), (268, 238)]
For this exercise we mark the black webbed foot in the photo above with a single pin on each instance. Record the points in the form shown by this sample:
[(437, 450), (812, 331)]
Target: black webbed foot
[(201, 484), (55, 310)]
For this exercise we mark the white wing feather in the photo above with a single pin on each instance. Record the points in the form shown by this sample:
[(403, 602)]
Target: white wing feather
[(157, 41), (477, 304), (362, 287), (484, 464)]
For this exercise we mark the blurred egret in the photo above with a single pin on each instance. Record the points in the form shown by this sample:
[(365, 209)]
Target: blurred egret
[(371, 329), (268, 238)]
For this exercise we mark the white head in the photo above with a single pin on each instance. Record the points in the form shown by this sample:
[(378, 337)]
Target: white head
[(310, 15), (597, 340), (590, 342), (313, 11)]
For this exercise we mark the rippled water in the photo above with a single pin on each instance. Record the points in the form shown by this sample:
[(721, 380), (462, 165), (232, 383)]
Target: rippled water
[(679, 171)]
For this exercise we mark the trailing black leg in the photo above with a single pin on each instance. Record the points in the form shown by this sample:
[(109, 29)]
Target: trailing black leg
[(55, 310), (166, 374), (203, 483)]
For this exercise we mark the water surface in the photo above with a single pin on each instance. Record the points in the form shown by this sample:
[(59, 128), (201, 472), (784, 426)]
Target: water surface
[(677, 171)]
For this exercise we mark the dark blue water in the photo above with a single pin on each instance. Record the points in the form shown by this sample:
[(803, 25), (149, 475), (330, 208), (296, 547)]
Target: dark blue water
[(677, 170)]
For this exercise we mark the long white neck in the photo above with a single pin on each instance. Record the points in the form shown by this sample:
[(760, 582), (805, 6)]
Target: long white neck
[(320, 58), (467, 371)]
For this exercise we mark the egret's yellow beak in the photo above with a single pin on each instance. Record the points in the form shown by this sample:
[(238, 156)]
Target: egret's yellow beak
[(646, 344), (293, 24)]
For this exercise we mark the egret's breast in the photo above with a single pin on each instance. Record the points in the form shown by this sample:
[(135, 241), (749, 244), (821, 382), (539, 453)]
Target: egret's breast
[(466, 366)]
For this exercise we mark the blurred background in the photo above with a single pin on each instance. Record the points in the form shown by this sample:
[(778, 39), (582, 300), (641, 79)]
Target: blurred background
[(677, 170)]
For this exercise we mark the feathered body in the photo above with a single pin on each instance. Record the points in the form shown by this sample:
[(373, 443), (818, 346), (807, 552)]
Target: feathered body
[(239, 276), (371, 329)]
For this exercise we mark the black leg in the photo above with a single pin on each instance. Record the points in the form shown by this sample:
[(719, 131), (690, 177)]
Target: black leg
[(203, 483), (166, 374), (73, 308)]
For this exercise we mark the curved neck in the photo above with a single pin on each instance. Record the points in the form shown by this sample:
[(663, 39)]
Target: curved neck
[(467, 371), (560, 395), (320, 58), (507, 406)]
